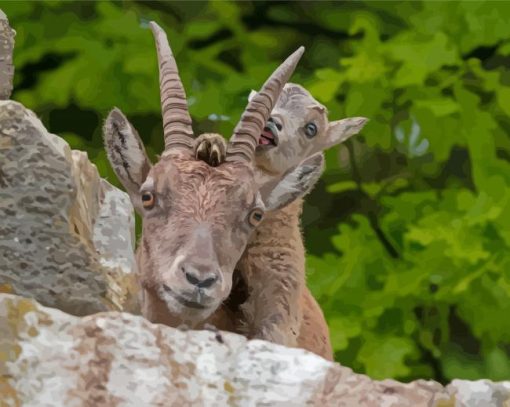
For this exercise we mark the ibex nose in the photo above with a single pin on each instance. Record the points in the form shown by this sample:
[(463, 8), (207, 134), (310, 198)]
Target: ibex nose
[(205, 280)]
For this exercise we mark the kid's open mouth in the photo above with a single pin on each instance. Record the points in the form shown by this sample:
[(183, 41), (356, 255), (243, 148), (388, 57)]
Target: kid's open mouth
[(269, 136)]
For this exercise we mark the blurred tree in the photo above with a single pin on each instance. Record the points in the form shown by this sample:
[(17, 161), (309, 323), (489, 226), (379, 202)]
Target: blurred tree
[(408, 232)]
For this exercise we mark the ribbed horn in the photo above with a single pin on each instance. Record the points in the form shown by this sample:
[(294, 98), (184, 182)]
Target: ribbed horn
[(174, 107), (247, 132)]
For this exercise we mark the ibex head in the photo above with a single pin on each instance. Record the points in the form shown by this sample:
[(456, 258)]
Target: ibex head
[(197, 218), (298, 126)]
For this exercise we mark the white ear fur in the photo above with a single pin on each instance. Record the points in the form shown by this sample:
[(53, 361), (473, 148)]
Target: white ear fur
[(341, 130), (296, 183), (250, 96), (126, 152)]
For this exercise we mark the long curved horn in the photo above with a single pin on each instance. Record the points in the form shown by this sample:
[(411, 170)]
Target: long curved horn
[(247, 132), (174, 107)]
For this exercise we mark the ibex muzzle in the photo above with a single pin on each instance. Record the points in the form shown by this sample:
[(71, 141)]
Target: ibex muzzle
[(197, 219), (200, 273)]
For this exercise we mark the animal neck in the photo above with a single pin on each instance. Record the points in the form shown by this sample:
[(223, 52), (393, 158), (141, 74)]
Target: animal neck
[(265, 177), (266, 181)]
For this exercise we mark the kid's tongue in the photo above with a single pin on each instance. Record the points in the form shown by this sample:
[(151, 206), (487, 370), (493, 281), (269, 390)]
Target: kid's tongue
[(264, 141), (266, 138)]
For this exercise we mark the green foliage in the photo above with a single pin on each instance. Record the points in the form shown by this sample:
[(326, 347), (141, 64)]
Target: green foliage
[(408, 232)]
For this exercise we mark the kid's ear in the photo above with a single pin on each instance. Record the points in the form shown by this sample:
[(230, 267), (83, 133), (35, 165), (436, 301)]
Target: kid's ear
[(297, 183), (341, 130), (252, 93), (126, 153)]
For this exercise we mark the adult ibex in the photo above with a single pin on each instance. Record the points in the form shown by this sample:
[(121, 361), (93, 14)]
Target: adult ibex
[(197, 219)]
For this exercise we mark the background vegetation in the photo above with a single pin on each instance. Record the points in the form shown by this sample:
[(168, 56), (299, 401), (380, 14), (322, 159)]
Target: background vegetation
[(408, 231)]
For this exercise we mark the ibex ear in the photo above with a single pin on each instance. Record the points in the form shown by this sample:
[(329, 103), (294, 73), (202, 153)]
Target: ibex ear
[(252, 93), (125, 152), (297, 183), (341, 130)]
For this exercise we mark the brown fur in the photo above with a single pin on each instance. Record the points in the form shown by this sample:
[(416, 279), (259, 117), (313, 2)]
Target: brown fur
[(281, 308)]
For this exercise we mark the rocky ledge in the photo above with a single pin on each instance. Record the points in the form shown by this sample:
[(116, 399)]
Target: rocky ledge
[(49, 358)]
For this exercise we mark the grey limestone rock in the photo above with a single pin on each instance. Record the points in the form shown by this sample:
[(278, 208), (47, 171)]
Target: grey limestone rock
[(49, 358), (66, 235)]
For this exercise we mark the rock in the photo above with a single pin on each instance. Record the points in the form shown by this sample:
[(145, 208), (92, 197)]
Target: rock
[(50, 358), (67, 235), (6, 66), (480, 393), (120, 359)]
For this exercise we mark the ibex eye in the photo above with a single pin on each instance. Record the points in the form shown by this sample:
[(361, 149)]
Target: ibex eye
[(148, 200), (310, 130), (256, 216)]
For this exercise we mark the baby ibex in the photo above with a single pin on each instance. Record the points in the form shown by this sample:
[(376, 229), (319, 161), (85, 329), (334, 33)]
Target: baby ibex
[(197, 219), (279, 307)]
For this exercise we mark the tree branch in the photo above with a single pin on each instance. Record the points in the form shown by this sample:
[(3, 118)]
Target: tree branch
[(371, 205)]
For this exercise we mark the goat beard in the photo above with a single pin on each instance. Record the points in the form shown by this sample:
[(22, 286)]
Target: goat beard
[(188, 315)]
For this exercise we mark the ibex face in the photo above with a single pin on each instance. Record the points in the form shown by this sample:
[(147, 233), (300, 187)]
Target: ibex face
[(197, 218), (195, 230), (297, 128)]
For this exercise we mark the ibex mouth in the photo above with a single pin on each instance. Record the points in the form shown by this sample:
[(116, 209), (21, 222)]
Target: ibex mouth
[(269, 137), (183, 301)]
